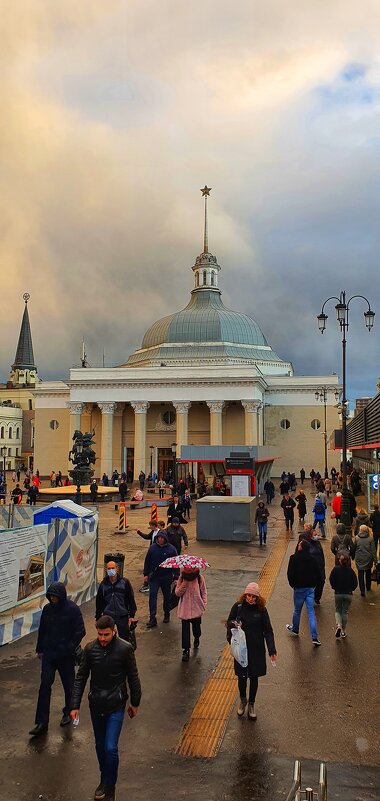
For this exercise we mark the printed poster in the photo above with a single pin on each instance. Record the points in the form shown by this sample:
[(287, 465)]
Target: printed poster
[(22, 565)]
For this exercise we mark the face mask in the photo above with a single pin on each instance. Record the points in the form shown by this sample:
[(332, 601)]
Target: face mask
[(111, 571)]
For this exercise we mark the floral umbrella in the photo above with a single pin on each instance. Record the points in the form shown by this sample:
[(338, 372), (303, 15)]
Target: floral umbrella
[(185, 560)]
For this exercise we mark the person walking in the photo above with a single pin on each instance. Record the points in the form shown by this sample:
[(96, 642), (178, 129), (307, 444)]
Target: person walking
[(301, 500), (192, 593), (141, 479), (336, 506), (60, 632), (287, 505), (364, 551), (109, 662), (319, 511), (375, 524), (250, 613), (32, 494), (362, 519), (175, 509), (186, 503), (159, 577), (344, 582), (302, 475), (115, 597), (93, 490), (176, 535), (284, 487), (269, 490), (161, 488), (316, 551), (328, 486), (123, 490), (262, 515), (341, 543), (303, 576), (16, 494)]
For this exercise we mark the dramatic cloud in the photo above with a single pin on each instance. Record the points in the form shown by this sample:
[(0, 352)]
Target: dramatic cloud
[(114, 114)]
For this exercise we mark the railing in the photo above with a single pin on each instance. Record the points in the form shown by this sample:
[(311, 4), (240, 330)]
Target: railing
[(296, 793)]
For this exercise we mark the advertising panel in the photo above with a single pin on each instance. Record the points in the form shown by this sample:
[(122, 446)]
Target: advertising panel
[(22, 565)]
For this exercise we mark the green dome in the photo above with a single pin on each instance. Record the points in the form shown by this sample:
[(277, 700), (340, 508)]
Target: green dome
[(204, 331)]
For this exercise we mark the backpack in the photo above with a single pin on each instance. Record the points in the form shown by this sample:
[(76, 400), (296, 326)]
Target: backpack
[(319, 508)]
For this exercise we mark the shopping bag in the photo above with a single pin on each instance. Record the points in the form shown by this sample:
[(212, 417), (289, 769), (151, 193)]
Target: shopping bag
[(239, 646)]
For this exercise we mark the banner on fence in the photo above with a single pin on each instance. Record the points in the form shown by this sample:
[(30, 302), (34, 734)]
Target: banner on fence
[(22, 565)]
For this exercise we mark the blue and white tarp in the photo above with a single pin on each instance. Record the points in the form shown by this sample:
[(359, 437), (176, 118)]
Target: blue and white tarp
[(71, 556)]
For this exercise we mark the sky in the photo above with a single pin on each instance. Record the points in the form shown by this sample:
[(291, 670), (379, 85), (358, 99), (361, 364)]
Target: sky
[(115, 114)]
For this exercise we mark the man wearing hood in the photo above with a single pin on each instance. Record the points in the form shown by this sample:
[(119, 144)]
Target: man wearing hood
[(60, 632), (116, 598), (159, 576)]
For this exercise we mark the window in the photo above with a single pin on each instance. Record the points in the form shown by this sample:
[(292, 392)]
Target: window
[(9, 451), (204, 277), (315, 424), (30, 404), (54, 424), (212, 278), (17, 453), (168, 418), (2, 432), (197, 279), (285, 424), (17, 433), (10, 433)]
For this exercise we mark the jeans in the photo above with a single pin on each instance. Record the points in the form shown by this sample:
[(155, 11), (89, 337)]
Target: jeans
[(262, 525), (367, 575), (196, 627), (155, 582), (253, 685), (66, 670), (321, 524), (107, 730), (269, 499), (342, 605), (304, 595)]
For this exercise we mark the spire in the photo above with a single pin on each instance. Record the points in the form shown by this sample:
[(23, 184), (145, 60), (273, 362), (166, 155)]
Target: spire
[(24, 370), (205, 193)]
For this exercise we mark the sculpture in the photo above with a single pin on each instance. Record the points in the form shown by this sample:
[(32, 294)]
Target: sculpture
[(82, 456)]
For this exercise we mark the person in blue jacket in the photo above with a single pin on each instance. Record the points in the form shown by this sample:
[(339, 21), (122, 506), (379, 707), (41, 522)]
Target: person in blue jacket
[(60, 632), (159, 576), (319, 511)]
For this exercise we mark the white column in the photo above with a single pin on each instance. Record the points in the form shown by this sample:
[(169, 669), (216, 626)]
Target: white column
[(182, 423), (141, 408), (76, 410), (260, 432), (107, 410), (216, 427), (251, 408)]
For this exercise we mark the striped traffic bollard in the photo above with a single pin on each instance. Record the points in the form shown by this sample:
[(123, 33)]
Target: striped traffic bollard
[(153, 513), (122, 517)]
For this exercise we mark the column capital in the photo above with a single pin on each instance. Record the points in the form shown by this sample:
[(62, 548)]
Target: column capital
[(107, 407), (215, 406), (119, 409), (140, 407), (252, 405), (182, 407), (75, 407)]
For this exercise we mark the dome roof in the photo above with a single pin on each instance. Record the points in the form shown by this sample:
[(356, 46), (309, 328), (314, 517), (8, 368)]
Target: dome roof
[(204, 331)]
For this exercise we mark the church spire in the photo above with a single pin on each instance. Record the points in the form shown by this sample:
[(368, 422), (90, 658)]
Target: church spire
[(206, 267), (205, 193), (23, 369)]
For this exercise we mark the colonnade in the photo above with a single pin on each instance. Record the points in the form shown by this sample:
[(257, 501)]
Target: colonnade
[(253, 427)]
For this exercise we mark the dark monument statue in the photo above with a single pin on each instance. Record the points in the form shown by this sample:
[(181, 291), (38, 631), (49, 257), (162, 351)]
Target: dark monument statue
[(82, 456)]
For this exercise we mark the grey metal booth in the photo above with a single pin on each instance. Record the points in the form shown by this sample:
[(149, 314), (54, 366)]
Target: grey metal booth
[(228, 518)]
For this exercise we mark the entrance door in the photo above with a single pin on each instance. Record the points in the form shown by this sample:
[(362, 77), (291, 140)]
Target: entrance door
[(165, 462)]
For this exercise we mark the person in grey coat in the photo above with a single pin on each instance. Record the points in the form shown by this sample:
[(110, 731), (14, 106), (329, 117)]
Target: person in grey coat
[(364, 552), (362, 519), (341, 543)]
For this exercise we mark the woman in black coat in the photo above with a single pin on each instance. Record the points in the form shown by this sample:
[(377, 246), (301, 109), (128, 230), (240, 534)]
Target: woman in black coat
[(301, 500), (251, 614)]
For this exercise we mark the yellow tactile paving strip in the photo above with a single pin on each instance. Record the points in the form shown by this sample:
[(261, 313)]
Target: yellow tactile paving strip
[(205, 729)]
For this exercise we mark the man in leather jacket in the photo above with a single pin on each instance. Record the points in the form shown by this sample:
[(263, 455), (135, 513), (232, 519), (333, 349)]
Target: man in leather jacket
[(110, 662), (116, 598)]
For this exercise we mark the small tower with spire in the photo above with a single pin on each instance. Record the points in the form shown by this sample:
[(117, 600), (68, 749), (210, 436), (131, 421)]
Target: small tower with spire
[(206, 267), (24, 371)]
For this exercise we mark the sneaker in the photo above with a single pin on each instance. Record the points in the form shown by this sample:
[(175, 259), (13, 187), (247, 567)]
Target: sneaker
[(185, 656), (100, 792), (338, 632), (196, 642), (65, 720), (251, 711), (290, 628), (343, 634), (317, 642), (152, 623), (144, 588), (241, 707)]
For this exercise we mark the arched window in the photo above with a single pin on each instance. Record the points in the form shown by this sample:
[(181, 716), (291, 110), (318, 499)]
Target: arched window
[(2, 432), (212, 278), (204, 277), (10, 433), (197, 279), (17, 433)]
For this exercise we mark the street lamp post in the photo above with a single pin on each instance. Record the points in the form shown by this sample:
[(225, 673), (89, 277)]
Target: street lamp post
[(322, 395), (78, 496), (174, 452), (151, 448), (342, 312)]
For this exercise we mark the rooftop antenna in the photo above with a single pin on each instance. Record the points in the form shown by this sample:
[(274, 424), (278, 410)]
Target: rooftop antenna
[(205, 193)]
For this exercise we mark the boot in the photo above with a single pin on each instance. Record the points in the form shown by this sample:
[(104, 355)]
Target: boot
[(196, 642), (110, 793), (185, 656), (241, 707), (39, 728), (100, 792), (251, 711), (152, 622), (166, 618)]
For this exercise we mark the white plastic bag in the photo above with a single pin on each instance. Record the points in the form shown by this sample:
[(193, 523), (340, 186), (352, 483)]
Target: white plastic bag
[(239, 646)]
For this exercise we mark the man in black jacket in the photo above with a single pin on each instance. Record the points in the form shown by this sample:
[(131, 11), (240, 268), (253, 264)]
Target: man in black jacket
[(116, 598), (61, 631), (176, 533), (175, 509), (303, 576), (287, 505), (110, 662)]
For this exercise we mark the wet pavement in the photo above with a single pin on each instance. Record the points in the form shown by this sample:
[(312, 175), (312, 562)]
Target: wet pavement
[(318, 704)]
